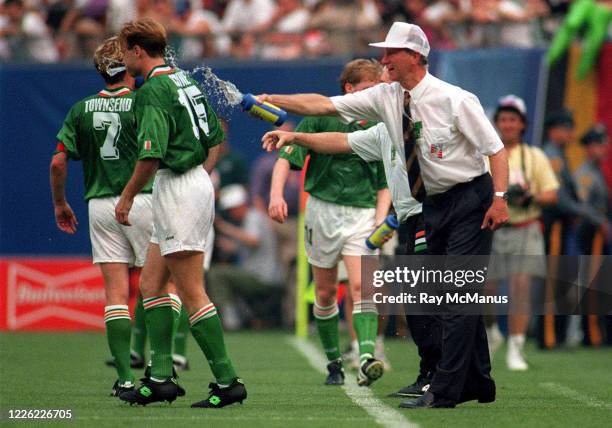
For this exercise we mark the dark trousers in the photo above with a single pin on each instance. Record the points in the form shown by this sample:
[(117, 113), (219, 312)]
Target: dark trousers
[(453, 221), (425, 329)]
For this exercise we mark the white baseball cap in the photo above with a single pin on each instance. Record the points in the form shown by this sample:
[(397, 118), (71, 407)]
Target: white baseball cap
[(232, 196), (514, 102), (404, 35)]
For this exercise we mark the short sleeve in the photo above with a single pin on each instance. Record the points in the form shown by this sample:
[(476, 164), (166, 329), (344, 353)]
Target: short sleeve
[(153, 131), (69, 132), (367, 144), (474, 124), (544, 172), (296, 155), (359, 105)]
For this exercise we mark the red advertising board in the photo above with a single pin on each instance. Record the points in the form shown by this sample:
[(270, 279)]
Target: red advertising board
[(56, 294)]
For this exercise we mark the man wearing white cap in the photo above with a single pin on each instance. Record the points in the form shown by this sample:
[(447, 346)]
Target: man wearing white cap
[(446, 137), (532, 185)]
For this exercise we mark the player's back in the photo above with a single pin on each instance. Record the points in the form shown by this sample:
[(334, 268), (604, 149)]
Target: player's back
[(172, 95), (100, 130)]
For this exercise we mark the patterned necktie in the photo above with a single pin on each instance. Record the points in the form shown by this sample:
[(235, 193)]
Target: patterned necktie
[(410, 149)]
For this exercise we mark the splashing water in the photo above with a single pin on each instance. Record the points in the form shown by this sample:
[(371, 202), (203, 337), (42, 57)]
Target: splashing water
[(222, 88), (224, 94)]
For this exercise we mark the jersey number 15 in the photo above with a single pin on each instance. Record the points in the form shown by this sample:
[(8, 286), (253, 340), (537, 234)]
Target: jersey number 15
[(192, 99)]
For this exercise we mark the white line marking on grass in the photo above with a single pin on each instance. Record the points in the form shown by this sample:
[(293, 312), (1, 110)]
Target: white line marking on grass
[(383, 415), (566, 392)]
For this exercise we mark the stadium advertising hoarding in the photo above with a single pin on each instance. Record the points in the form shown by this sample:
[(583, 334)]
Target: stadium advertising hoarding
[(55, 294)]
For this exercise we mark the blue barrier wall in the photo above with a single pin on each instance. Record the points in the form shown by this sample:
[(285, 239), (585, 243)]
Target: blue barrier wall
[(35, 98)]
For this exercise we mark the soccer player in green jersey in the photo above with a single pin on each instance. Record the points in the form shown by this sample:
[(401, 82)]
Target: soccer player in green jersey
[(348, 198), (177, 132), (100, 131)]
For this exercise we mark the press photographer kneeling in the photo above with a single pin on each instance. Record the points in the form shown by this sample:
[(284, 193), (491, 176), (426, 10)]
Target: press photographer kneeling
[(532, 184)]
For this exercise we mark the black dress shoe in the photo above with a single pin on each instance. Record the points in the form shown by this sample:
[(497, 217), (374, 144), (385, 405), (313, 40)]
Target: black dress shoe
[(415, 390), (428, 401)]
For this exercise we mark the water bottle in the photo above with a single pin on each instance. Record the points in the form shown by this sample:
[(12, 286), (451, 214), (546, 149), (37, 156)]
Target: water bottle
[(390, 225), (265, 111)]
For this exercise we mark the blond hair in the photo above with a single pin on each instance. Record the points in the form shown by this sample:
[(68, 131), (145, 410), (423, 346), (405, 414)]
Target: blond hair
[(147, 33), (359, 70), (108, 60)]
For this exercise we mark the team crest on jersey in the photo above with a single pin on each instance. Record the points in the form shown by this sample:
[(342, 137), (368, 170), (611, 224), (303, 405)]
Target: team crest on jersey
[(147, 145), (288, 149)]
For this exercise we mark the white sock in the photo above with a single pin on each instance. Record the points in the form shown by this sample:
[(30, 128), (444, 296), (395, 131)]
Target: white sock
[(516, 341)]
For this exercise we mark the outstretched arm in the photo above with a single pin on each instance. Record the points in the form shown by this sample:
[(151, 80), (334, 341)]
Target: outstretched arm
[(324, 142), (302, 104)]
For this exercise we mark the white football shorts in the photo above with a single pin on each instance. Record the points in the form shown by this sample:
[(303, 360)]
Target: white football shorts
[(183, 210), (332, 231), (112, 242)]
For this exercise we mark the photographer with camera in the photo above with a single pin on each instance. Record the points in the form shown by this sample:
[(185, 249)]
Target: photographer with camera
[(532, 184)]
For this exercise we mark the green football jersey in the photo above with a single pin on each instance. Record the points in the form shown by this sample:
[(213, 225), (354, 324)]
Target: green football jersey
[(343, 179), (100, 131), (175, 122)]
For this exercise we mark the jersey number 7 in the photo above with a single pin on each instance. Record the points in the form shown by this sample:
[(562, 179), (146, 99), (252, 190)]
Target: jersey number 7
[(112, 122)]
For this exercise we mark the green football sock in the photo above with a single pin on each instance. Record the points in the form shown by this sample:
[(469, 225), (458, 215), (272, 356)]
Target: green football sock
[(118, 329), (207, 331), (160, 324), (326, 318), (176, 313), (365, 323), (182, 332), (139, 329)]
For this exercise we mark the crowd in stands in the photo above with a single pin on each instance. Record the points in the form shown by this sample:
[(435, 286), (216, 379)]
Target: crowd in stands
[(61, 30)]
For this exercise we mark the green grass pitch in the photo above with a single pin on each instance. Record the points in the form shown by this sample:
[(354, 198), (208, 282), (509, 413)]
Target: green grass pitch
[(65, 371)]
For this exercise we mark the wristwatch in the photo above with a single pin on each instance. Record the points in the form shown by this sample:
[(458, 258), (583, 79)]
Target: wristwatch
[(503, 195)]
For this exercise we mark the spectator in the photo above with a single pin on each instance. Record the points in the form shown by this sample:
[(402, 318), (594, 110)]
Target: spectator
[(242, 16), (346, 23), (593, 190), (443, 18), (521, 28), (86, 23), (254, 283), (283, 38), (26, 34), (531, 185), (200, 32)]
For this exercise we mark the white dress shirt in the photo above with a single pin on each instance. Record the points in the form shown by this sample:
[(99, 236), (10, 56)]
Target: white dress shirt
[(456, 134), (375, 144)]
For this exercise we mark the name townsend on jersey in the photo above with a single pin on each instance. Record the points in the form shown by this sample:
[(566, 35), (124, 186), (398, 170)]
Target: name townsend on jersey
[(108, 104)]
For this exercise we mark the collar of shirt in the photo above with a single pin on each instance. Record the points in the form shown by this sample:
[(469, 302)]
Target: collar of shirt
[(417, 92)]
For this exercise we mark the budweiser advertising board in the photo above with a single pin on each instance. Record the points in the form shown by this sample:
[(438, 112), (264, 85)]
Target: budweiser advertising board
[(50, 294)]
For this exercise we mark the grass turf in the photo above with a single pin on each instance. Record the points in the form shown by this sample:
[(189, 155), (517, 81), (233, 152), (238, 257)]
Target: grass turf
[(66, 371)]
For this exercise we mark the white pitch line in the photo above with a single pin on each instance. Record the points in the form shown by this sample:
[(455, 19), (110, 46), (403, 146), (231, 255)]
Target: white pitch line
[(566, 392), (383, 415)]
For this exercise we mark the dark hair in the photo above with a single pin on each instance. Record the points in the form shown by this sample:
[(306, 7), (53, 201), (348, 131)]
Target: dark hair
[(147, 33), (511, 110)]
